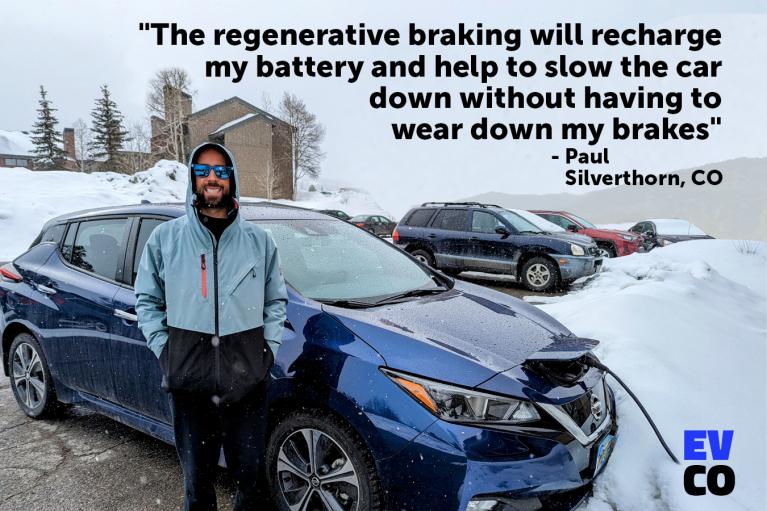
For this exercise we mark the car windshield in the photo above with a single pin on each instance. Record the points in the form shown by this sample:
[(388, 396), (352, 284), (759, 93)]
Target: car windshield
[(519, 223), (359, 218), (330, 260), (583, 222)]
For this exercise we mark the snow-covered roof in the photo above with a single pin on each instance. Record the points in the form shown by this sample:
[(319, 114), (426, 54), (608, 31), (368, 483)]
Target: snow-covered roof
[(676, 227), (233, 123), (16, 143)]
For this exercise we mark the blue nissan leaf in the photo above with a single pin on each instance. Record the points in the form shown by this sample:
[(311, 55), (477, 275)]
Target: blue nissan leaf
[(395, 388)]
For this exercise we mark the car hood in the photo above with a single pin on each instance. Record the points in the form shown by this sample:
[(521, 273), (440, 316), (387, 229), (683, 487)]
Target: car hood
[(570, 237), (617, 232), (465, 335)]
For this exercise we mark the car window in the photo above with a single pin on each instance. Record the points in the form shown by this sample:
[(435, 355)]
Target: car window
[(482, 221), (98, 246), (450, 219), (585, 223), (519, 223), (54, 233), (66, 247), (145, 229), (333, 260), (419, 217), (359, 218), (558, 220)]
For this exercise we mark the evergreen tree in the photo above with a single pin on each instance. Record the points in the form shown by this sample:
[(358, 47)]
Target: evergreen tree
[(46, 138), (109, 135)]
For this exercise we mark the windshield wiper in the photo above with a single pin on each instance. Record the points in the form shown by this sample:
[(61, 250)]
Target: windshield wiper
[(412, 293), (349, 304), (530, 232)]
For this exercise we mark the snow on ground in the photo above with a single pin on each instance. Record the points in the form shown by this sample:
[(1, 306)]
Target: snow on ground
[(30, 198), (685, 327)]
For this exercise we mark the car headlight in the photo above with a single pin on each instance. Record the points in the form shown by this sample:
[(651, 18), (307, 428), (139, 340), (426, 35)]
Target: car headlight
[(627, 237), (664, 243), (576, 250), (456, 404)]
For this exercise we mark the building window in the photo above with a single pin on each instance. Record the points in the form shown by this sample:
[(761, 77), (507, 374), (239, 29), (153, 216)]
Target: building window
[(21, 163), (10, 162)]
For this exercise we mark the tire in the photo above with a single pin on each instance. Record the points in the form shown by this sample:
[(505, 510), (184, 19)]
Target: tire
[(296, 483), (540, 274), (606, 250), (423, 256), (31, 380)]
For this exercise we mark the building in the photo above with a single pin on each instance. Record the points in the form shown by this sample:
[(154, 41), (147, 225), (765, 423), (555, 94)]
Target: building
[(16, 149), (261, 143)]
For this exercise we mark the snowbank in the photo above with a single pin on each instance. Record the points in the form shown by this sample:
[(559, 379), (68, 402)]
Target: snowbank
[(685, 327), (30, 198)]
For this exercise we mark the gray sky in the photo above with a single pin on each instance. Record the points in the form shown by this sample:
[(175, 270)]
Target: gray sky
[(74, 47)]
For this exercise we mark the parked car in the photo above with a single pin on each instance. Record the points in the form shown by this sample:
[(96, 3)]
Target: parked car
[(342, 215), (469, 236), (659, 232), (395, 386), (377, 224), (611, 243)]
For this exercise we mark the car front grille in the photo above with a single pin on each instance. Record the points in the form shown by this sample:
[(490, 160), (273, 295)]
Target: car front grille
[(589, 410), (594, 250)]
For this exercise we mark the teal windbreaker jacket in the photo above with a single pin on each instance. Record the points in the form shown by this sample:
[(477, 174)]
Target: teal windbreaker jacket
[(186, 280)]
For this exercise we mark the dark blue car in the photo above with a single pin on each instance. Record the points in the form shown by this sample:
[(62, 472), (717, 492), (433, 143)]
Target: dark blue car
[(395, 388), (469, 236)]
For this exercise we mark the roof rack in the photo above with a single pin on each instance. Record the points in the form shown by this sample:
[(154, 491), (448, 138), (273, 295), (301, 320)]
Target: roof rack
[(460, 204)]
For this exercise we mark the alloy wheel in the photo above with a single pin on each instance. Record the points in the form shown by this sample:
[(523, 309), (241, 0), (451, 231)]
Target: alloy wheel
[(28, 375), (605, 252), (538, 275), (315, 473), (423, 259)]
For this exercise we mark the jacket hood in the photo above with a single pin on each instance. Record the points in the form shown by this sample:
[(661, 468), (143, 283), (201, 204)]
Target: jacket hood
[(190, 196)]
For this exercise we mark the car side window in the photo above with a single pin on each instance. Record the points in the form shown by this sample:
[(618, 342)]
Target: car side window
[(559, 220), (145, 229), (638, 228), (54, 233), (484, 222), (420, 217), (66, 247), (99, 246), (450, 219)]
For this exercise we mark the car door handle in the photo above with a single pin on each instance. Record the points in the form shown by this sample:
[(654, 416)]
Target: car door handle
[(431, 236), (127, 316), (45, 289), (474, 238)]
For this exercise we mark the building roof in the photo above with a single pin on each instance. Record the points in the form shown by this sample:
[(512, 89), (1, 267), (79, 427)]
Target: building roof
[(234, 99), (236, 122), (16, 143)]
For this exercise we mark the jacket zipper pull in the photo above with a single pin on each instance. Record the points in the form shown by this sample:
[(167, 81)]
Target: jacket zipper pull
[(204, 276)]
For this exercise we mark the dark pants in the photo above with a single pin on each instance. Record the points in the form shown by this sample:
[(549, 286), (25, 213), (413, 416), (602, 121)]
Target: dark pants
[(201, 428)]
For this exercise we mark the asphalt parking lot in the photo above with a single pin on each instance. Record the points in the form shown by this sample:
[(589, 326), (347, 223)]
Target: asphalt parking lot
[(85, 461)]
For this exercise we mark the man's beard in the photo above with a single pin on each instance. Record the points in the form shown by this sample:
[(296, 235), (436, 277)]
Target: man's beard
[(201, 203)]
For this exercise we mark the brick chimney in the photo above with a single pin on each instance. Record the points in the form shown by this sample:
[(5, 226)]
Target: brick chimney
[(69, 143)]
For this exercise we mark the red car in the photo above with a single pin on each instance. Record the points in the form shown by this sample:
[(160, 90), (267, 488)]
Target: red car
[(611, 243)]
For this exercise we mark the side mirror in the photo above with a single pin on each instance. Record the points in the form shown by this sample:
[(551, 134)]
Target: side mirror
[(572, 228), (502, 231)]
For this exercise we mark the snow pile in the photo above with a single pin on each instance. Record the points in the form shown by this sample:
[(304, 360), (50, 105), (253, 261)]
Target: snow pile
[(16, 143), (30, 198), (685, 327)]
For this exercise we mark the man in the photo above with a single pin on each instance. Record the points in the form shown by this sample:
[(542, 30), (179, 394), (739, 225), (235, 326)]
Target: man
[(211, 302)]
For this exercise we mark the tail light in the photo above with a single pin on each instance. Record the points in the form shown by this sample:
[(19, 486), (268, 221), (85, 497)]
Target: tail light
[(9, 273), (395, 236), (360, 224)]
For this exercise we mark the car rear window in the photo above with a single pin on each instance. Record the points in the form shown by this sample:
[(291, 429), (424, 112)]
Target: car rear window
[(450, 219), (419, 217)]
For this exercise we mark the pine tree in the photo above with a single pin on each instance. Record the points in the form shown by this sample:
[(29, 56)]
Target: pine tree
[(46, 138), (109, 135)]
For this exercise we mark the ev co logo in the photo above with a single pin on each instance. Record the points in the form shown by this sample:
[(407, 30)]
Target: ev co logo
[(720, 479)]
